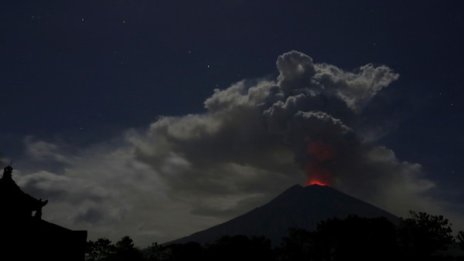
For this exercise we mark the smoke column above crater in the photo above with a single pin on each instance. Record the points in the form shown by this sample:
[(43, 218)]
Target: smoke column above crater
[(256, 134), (319, 154)]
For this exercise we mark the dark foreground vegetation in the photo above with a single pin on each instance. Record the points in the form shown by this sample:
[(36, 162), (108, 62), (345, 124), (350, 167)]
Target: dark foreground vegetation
[(420, 237)]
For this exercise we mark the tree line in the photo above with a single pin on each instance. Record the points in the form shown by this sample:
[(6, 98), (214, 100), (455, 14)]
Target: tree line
[(420, 237)]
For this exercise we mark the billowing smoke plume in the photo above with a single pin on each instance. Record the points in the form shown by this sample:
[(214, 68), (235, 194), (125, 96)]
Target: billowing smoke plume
[(256, 135)]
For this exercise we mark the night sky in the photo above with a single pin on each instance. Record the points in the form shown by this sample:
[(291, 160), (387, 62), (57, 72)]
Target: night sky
[(85, 85)]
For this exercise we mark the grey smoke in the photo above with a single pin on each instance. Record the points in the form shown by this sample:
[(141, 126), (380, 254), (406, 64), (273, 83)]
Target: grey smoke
[(253, 135)]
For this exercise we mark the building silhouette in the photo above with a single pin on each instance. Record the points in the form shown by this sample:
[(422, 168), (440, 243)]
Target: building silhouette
[(25, 235)]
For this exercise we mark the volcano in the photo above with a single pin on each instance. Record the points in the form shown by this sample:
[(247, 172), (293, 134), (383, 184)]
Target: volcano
[(297, 207)]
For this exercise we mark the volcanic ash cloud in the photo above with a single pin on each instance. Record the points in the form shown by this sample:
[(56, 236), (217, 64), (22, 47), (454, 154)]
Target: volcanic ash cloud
[(255, 135)]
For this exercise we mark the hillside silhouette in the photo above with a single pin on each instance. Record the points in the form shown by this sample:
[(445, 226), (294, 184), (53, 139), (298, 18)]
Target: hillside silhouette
[(25, 235), (297, 207), (321, 224), (419, 237)]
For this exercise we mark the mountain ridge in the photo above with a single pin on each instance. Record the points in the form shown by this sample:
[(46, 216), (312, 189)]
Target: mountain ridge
[(296, 207)]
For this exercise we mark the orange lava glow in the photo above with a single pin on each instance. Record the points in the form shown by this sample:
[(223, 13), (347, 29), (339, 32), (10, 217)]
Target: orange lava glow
[(316, 182), (317, 174), (318, 170)]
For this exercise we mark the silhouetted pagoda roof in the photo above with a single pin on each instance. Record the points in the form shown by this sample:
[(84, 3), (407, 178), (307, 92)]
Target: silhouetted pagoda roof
[(25, 236)]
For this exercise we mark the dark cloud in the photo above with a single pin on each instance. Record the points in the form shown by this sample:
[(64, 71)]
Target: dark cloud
[(92, 215)]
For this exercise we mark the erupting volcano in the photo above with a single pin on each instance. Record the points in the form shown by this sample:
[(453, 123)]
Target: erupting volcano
[(316, 182), (317, 174), (297, 207), (317, 171)]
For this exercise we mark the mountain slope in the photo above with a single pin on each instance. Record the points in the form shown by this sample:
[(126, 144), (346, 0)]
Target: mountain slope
[(297, 207)]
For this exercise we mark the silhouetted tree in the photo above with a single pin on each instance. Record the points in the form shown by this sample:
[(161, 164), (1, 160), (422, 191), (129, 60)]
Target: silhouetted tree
[(235, 248), (104, 250), (299, 245), (423, 234), (355, 238), (126, 251), (100, 250), (460, 239), (156, 252), (419, 237), (187, 251)]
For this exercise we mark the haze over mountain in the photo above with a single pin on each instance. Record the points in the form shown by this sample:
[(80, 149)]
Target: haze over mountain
[(297, 207)]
